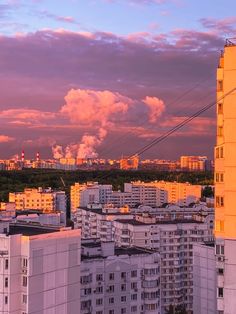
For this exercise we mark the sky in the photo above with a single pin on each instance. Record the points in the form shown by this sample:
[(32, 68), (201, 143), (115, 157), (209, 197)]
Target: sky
[(88, 78)]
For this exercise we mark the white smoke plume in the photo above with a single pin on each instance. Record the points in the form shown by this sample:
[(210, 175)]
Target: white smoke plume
[(93, 109), (57, 151), (98, 110), (156, 108)]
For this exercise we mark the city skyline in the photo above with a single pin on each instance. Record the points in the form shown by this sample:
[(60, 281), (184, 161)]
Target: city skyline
[(112, 75)]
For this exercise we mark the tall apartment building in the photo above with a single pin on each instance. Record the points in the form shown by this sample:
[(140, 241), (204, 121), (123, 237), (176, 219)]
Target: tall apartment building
[(204, 278), (119, 280), (194, 163), (225, 180), (157, 193), (39, 269), (174, 241), (39, 199), (89, 193)]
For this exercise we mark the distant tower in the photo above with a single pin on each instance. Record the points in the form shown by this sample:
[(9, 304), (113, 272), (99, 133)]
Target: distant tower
[(23, 156), (37, 157)]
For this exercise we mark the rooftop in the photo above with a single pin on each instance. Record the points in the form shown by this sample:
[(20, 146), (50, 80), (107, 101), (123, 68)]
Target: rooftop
[(30, 229), (161, 222), (230, 42)]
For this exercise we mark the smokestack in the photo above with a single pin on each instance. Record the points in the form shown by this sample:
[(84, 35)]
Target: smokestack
[(37, 157), (23, 156)]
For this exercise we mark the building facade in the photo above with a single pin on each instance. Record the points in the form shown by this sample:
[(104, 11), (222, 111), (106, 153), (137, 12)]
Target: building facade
[(118, 280), (174, 241), (225, 178), (39, 199), (40, 270)]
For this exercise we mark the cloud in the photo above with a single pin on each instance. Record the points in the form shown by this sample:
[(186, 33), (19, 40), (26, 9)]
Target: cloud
[(26, 116), (51, 64), (222, 26), (156, 107), (58, 18), (6, 139)]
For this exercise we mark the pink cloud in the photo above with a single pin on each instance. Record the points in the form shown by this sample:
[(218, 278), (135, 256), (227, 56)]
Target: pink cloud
[(6, 139), (156, 107)]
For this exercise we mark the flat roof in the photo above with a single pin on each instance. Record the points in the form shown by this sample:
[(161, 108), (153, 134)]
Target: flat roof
[(30, 229), (100, 212), (161, 222)]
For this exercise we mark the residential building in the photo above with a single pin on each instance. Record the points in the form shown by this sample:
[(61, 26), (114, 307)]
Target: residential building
[(89, 193), (225, 178), (204, 278), (47, 200), (157, 193), (119, 280), (97, 222), (39, 269), (174, 240), (194, 163)]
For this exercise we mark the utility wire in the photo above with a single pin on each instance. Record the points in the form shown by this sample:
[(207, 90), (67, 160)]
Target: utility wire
[(179, 126)]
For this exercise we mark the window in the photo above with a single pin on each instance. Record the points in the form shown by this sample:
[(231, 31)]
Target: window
[(134, 285), (6, 263), (220, 131), (99, 277), (111, 300), (220, 292), (220, 86), (24, 262), (220, 108), (99, 301), (111, 311), (123, 275), (220, 271), (221, 152), (24, 299), (134, 273), (123, 287), (111, 289), (219, 177), (219, 226), (6, 282), (123, 311), (6, 299), (219, 201), (134, 297), (111, 276), (134, 308), (24, 281), (123, 298)]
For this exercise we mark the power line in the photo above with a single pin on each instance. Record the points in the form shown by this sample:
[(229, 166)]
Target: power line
[(178, 126), (123, 138)]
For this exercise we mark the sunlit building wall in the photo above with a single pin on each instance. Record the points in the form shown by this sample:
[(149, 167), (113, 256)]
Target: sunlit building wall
[(225, 181)]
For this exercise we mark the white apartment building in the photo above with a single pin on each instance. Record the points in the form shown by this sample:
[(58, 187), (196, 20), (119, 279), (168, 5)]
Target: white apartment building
[(174, 240), (119, 280), (89, 193), (157, 193), (39, 199), (39, 270), (96, 222), (204, 278), (225, 180)]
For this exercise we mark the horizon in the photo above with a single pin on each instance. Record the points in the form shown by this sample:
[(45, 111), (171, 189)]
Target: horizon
[(94, 86)]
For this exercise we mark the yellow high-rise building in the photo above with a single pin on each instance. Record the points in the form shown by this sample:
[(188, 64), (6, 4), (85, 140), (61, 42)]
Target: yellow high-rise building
[(225, 181)]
